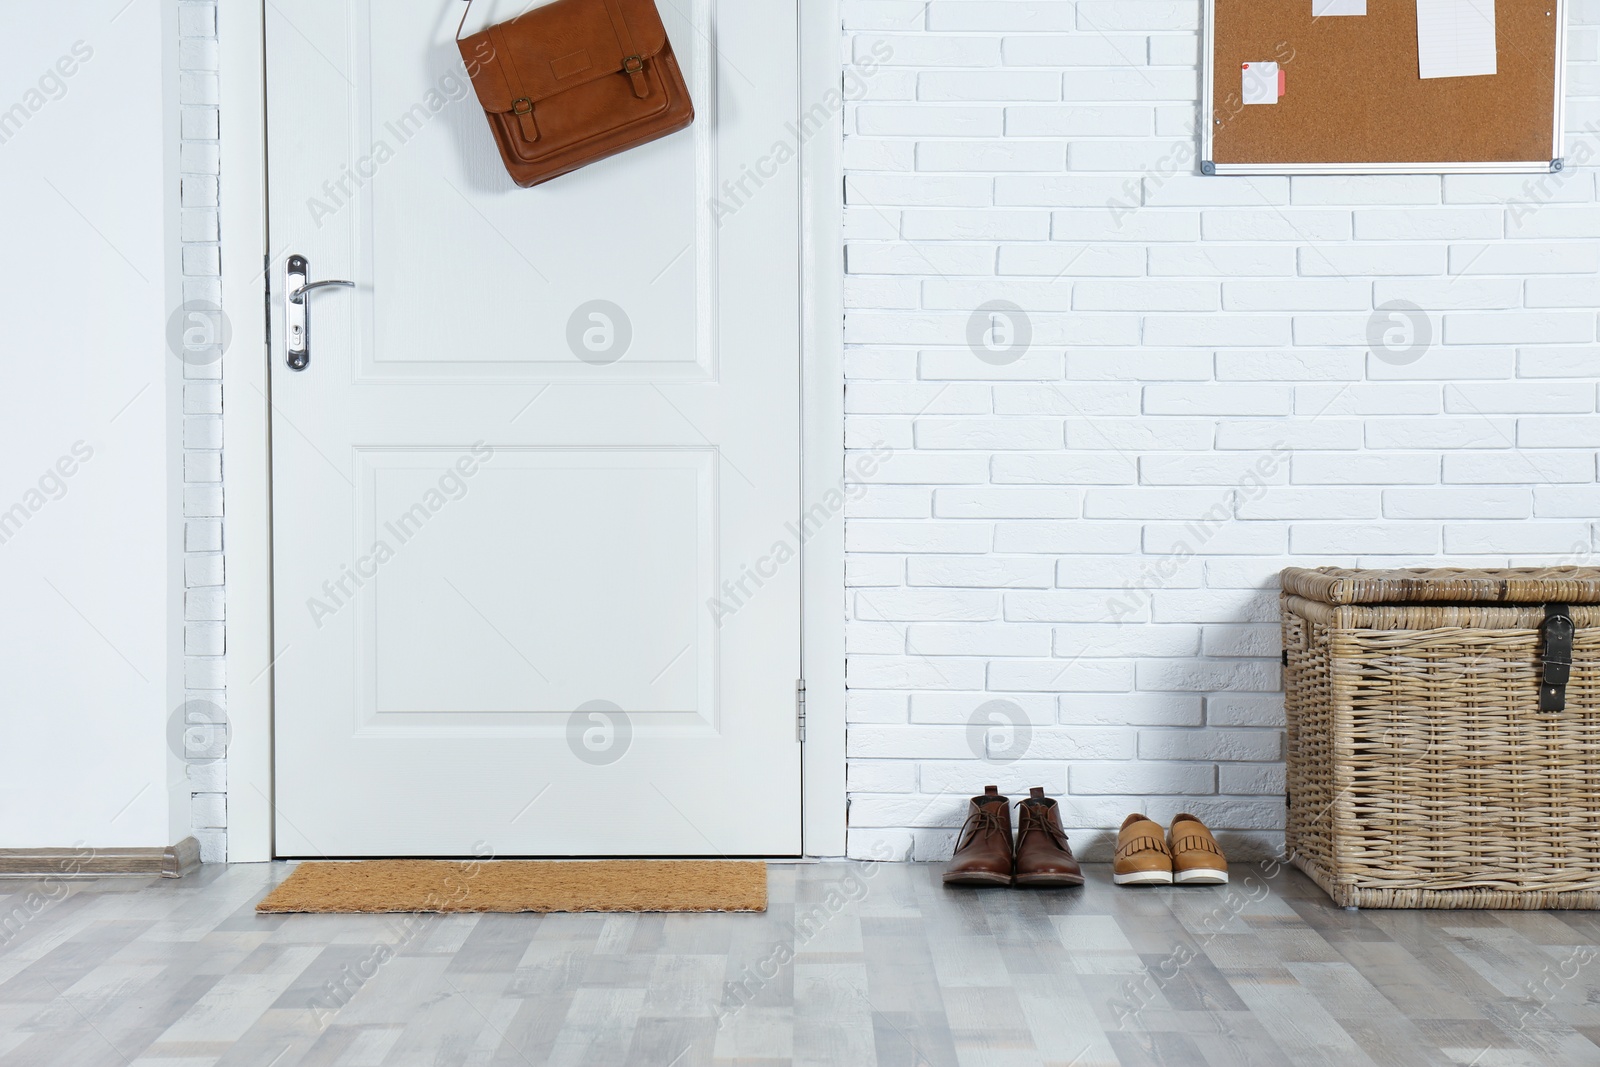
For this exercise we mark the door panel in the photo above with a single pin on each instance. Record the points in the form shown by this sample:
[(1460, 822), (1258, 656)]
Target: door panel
[(528, 491), (651, 239), (636, 592)]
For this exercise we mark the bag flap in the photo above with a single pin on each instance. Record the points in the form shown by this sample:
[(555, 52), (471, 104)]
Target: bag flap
[(559, 46)]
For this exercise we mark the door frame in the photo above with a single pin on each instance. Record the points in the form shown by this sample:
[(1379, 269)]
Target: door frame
[(247, 434)]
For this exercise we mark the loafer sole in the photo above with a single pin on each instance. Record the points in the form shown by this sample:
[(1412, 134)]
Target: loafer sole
[(976, 878), (1049, 879), (1200, 876), (1143, 878)]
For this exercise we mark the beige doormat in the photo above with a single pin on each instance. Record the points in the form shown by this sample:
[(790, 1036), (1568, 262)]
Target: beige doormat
[(519, 886)]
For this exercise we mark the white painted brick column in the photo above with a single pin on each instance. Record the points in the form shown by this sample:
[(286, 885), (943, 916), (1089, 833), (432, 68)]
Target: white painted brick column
[(205, 678)]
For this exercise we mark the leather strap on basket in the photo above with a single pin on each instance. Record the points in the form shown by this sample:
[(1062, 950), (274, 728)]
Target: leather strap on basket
[(1558, 633)]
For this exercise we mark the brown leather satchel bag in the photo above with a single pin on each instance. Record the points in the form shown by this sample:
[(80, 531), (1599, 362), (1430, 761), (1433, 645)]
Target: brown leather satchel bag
[(576, 81)]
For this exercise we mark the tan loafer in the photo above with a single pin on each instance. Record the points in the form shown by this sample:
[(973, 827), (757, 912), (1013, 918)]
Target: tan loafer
[(1142, 856), (1196, 859)]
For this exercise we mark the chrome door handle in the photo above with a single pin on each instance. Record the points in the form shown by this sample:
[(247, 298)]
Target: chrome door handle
[(299, 295), (297, 310)]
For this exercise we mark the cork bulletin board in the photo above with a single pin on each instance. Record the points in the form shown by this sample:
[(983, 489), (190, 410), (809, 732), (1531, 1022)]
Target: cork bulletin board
[(1353, 100)]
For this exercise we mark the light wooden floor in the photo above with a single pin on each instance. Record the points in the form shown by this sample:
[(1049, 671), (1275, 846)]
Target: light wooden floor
[(853, 965)]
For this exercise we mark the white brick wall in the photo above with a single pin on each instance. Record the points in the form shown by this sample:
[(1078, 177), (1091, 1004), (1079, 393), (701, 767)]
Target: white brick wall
[(1091, 531), (205, 741)]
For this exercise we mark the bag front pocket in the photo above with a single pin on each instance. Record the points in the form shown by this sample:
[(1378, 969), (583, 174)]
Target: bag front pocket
[(594, 111)]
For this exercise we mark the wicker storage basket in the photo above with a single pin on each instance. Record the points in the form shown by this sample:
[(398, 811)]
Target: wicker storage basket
[(1423, 771)]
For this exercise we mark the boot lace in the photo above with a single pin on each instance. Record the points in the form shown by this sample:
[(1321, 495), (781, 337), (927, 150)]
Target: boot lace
[(1040, 820), (985, 818)]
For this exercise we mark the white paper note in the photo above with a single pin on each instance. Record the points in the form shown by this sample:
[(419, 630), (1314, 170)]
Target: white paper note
[(1455, 38), (1262, 83), (1320, 8)]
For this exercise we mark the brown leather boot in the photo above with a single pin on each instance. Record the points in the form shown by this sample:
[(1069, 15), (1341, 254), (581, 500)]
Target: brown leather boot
[(1043, 856), (983, 849)]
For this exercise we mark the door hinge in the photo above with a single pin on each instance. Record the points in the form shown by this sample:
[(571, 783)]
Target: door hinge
[(800, 710), (266, 304)]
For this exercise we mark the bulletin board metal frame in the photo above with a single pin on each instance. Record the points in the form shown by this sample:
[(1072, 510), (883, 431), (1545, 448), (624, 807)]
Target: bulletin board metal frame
[(1207, 123)]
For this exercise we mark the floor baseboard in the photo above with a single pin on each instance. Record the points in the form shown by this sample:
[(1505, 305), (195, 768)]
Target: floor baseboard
[(173, 861)]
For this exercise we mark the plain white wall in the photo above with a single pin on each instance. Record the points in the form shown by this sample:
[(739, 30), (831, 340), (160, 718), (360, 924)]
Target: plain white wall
[(90, 448)]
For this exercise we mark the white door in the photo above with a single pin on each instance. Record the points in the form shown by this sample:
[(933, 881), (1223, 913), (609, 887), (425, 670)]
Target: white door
[(536, 493)]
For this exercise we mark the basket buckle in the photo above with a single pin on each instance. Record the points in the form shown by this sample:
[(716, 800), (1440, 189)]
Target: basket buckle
[(1558, 633)]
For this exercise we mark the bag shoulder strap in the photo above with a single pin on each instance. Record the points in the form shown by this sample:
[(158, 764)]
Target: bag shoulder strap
[(633, 62), (618, 19), (619, 22)]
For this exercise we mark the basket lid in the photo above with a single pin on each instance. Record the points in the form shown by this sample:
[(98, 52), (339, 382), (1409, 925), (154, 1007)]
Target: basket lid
[(1510, 585)]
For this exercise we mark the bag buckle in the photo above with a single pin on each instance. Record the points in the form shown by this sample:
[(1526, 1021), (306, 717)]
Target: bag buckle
[(518, 109), (633, 67)]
